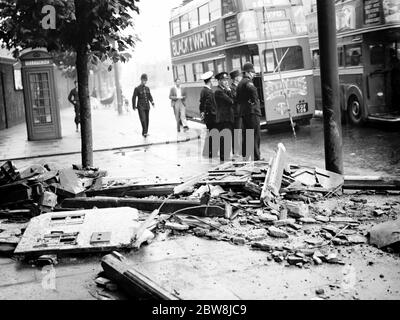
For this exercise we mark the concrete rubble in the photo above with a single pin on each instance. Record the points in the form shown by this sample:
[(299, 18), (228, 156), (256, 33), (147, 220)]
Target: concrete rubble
[(303, 223)]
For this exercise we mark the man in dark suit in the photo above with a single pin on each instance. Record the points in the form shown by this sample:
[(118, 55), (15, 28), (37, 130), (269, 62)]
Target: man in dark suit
[(144, 98), (237, 124), (250, 110), (225, 114), (177, 95), (208, 112)]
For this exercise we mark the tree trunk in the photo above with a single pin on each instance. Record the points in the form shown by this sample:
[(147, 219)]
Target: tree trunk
[(85, 109), (82, 59)]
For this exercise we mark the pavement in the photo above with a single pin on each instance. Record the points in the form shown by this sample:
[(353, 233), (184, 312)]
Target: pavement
[(110, 132)]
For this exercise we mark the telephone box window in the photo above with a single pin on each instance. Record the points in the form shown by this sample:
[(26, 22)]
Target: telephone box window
[(40, 90)]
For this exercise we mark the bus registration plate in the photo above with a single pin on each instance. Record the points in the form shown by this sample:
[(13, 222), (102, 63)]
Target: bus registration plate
[(302, 107)]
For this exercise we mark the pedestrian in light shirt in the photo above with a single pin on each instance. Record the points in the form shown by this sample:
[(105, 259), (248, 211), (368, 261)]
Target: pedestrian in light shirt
[(178, 98)]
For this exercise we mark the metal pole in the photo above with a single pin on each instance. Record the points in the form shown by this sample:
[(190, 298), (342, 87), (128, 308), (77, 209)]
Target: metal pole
[(330, 85)]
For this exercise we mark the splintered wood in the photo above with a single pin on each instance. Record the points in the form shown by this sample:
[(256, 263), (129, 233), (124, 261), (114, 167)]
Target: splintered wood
[(79, 231), (273, 179)]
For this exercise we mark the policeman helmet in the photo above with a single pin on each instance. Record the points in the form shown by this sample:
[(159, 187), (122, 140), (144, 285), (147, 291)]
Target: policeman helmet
[(234, 74), (248, 67)]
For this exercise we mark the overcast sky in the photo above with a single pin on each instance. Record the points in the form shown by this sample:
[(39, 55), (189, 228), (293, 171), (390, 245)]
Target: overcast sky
[(152, 27)]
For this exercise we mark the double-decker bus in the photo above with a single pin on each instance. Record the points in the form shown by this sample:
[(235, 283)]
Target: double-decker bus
[(368, 39), (222, 35)]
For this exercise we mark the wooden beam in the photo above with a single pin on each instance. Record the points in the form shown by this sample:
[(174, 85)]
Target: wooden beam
[(273, 179), (133, 282), (134, 191), (371, 183), (150, 205)]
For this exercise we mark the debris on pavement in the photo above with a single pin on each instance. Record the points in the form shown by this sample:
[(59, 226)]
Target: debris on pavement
[(385, 234), (79, 231), (133, 283), (272, 206)]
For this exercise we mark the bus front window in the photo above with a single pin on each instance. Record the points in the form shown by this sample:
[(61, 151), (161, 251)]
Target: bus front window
[(286, 59)]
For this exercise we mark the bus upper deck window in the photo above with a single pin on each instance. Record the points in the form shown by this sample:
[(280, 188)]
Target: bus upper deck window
[(353, 55), (175, 27), (184, 20), (377, 54), (215, 9), (193, 19), (204, 14)]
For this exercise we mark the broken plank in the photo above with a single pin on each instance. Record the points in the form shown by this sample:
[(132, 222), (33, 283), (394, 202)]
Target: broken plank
[(188, 186), (252, 188), (273, 179), (133, 282), (150, 205), (134, 191), (371, 183)]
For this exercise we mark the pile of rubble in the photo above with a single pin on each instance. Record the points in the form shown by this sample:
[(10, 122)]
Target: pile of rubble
[(35, 191), (296, 213)]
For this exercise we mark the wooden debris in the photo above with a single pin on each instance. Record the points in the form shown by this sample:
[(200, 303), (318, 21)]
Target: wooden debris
[(133, 282), (158, 190), (187, 186), (192, 207), (273, 179), (48, 199), (176, 226), (371, 183), (252, 189), (73, 232), (8, 173)]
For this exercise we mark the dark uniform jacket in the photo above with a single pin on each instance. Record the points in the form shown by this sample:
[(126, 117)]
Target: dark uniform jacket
[(143, 95), (225, 104), (207, 102), (236, 107), (73, 97), (247, 97)]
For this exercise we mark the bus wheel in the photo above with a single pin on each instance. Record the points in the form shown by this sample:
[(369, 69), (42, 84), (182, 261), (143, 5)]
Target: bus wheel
[(354, 111)]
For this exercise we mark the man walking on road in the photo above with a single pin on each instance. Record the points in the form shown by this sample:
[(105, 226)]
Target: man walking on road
[(208, 114), (250, 110), (237, 124), (225, 114), (143, 95), (178, 97), (73, 98)]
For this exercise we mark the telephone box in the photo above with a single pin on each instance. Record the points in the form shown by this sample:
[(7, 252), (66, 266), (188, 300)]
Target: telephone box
[(41, 104)]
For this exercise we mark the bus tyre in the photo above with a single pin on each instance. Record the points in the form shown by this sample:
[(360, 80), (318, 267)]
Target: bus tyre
[(354, 111)]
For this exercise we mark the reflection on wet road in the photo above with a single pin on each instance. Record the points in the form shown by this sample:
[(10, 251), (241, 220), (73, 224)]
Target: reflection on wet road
[(366, 150)]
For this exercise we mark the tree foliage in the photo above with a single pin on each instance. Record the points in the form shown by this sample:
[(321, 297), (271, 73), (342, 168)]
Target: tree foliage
[(103, 22), (92, 30)]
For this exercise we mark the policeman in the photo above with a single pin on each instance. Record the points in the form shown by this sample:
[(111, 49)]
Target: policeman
[(73, 98), (237, 124), (225, 114), (208, 113), (143, 95), (250, 110)]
